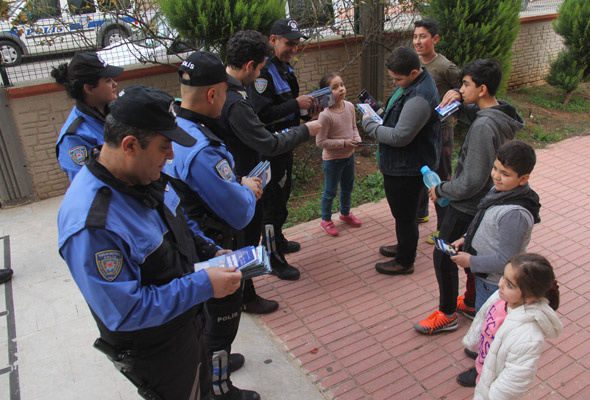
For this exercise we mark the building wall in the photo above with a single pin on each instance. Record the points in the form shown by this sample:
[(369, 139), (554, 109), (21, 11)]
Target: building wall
[(40, 113)]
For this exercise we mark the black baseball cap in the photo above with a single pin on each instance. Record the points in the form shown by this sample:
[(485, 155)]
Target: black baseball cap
[(88, 64), (150, 108), (287, 28), (204, 69)]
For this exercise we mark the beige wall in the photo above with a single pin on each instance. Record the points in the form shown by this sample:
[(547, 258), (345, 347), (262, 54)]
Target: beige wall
[(39, 117)]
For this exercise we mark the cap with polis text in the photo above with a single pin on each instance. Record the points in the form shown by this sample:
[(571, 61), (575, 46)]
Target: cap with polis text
[(203, 68), (149, 108), (287, 28), (88, 64)]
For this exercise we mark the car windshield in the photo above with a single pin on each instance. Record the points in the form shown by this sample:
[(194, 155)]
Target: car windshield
[(155, 32), (14, 6)]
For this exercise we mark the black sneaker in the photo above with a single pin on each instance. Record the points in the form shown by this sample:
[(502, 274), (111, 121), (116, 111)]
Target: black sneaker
[(235, 362), (290, 247), (471, 354), (467, 378), (283, 270), (237, 394), (5, 275), (260, 306)]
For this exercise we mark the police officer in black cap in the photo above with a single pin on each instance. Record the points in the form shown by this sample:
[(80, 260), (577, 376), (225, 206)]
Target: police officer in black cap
[(229, 205), (131, 251), (276, 100)]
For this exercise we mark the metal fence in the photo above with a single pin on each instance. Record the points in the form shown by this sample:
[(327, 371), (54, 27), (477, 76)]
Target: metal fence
[(125, 35)]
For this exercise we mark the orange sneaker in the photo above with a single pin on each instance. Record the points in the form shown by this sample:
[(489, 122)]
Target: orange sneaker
[(436, 322), (464, 309)]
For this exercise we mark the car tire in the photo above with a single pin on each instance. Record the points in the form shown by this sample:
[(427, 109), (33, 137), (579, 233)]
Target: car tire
[(113, 35), (10, 52)]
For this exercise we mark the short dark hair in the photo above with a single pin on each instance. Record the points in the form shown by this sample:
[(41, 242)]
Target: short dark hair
[(517, 155), (429, 24), (403, 60), (74, 87), (484, 71), (115, 131), (246, 46), (326, 79)]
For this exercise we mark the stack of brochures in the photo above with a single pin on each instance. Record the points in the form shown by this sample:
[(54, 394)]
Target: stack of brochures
[(447, 110), (365, 97), (323, 98), (262, 171), (252, 261), (366, 108)]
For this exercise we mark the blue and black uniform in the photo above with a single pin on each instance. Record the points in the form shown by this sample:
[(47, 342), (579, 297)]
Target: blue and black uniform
[(82, 131), (274, 97), (131, 252), (207, 170)]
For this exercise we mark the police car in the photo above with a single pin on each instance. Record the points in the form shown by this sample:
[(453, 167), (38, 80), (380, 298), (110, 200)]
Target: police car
[(35, 27)]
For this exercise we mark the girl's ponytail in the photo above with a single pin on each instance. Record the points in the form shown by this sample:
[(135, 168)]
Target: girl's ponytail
[(553, 295), (535, 277)]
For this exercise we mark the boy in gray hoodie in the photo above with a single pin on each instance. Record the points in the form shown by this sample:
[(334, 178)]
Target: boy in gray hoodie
[(491, 123)]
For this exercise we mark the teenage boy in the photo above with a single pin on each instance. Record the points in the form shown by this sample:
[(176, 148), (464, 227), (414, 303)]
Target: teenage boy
[(275, 98), (446, 75), (246, 136), (408, 139), (504, 221), (491, 123)]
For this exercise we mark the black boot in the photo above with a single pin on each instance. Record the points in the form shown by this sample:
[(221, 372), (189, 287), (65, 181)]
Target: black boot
[(5, 275), (235, 362), (260, 306), (282, 269)]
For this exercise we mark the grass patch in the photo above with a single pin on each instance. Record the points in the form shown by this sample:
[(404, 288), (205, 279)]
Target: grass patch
[(551, 98)]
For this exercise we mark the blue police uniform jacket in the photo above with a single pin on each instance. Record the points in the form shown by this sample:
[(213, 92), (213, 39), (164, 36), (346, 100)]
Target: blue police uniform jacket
[(426, 146), (82, 131), (207, 168), (131, 253)]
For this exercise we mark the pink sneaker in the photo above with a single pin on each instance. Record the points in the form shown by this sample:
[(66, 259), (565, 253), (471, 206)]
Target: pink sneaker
[(350, 219), (329, 228)]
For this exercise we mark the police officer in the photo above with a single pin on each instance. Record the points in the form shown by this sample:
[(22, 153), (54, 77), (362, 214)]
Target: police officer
[(245, 135), (88, 80), (276, 100), (131, 251), (207, 169)]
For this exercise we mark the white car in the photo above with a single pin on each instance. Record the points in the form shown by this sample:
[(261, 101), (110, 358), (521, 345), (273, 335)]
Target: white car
[(35, 27), (157, 42)]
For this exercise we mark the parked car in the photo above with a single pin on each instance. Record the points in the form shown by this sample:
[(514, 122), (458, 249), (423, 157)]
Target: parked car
[(36, 27), (154, 42)]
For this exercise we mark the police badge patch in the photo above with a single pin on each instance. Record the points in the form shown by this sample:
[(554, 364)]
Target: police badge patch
[(79, 154), (224, 170), (260, 85), (109, 263)]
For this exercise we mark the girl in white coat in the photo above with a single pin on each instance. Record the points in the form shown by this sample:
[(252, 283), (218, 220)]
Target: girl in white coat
[(510, 329)]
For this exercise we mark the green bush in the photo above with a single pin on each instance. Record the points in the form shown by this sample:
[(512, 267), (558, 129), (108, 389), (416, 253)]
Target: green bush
[(573, 23), (565, 74), (214, 22), (472, 29)]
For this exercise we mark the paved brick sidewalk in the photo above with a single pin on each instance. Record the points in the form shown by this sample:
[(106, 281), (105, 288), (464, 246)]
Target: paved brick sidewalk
[(350, 328)]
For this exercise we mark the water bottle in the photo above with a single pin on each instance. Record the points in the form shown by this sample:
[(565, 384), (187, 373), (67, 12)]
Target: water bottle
[(431, 179)]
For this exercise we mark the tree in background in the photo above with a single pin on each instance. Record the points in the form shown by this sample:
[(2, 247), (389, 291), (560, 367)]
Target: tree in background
[(566, 73), (472, 29), (573, 23), (214, 22)]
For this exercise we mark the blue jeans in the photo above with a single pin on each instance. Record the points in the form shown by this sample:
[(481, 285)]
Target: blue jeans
[(337, 171), (483, 291)]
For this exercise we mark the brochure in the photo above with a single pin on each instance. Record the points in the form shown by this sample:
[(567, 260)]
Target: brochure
[(366, 98), (365, 108), (447, 110), (252, 261), (262, 171), (324, 98)]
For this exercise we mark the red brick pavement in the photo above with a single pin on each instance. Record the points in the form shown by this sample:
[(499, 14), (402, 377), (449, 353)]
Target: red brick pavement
[(350, 328)]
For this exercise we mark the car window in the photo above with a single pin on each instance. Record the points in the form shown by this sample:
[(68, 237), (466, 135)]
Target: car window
[(113, 5), (77, 7), (38, 9)]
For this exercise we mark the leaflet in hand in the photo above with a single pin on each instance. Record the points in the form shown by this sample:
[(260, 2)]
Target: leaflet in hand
[(365, 108), (323, 98), (262, 171), (447, 110), (365, 97), (252, 261)]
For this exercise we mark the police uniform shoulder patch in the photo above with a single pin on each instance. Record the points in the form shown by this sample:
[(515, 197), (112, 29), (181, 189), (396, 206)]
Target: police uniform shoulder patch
[(260, 85), (109, 263), (224, 170), (79, 154)]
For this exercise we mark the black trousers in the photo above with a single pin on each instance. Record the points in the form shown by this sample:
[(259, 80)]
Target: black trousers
[(252, 238), (276, 195), (453, 227), (403, 195), (177, 367)]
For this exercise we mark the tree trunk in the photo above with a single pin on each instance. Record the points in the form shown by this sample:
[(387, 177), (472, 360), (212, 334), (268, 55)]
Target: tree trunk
[(568, 97)]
